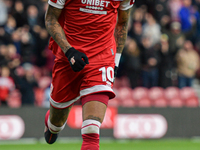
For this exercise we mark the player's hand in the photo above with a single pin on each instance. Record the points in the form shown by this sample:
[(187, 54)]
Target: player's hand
[(77, 59)]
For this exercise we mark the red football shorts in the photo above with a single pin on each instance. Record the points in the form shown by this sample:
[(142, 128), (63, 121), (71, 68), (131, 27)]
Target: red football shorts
[(68, 86)]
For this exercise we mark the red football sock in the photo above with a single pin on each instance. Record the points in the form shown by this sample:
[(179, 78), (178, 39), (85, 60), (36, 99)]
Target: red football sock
[(90, 134), (90, 141)]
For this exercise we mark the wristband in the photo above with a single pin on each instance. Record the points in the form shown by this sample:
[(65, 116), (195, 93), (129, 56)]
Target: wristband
[(117, 59)]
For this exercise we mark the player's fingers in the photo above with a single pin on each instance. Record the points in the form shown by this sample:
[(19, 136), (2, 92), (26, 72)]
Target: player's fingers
[(79, 66), (82, 63), (85, 59)]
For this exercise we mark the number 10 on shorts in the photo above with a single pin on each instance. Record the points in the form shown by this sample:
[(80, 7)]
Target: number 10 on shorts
[(107, 73)]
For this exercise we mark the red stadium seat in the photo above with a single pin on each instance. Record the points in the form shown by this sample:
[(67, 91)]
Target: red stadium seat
[(121, 82), (124, 93), (176, 102), (192, 102), (160, 102), (125, 82), (128, 103), (113, 102), (172, 93), (145, 102), (156, 93), (187, 92), (140, 93)]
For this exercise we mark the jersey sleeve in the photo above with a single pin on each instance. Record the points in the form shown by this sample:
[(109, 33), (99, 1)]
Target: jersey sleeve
[(126, 4), (57, 3)]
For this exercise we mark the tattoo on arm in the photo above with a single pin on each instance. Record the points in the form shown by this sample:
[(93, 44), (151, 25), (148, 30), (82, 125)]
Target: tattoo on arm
[(54, 28), (121, 29)]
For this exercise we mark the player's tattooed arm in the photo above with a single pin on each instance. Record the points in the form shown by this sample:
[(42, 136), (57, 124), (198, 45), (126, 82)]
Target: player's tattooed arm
[(54, 28), (121, 29)]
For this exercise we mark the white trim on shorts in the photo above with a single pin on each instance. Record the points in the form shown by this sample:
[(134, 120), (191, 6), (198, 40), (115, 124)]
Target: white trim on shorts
[(63, 105), (84, 92), (95, 89)]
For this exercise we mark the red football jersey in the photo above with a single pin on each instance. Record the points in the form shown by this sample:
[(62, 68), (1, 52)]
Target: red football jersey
[(89, 27)]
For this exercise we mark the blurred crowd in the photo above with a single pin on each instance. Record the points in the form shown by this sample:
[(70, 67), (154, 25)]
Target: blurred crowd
[(163, 44), (162, 48), (25, 61)]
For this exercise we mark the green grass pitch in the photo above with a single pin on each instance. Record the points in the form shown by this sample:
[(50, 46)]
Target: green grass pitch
[(112, 145)]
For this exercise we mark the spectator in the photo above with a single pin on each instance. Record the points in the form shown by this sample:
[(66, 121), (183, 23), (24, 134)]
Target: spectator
[(3, 12), (42, 39), (131, 57), (166, 63), (150, 61), (174, 8), (138, 15), (9, 4), (187, 64), (188, 15), (16, 38), (3, 55), (176, 37), (151, 29), (7, 30), (160, 9), (27, 50), (10, 25), (136, 32), (13, 57), (4, 36), (6, 85), (19, 14), (32, 16), (26, 83)]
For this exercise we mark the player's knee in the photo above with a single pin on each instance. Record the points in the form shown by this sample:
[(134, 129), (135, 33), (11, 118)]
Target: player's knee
[(90, 126), (53, 128)]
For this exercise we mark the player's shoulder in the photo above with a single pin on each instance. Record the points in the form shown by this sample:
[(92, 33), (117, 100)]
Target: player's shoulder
[(57, 3), (128, 1), (126, 4), (132, 1)]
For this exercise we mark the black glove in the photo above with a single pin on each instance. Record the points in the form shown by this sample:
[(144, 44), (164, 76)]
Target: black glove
[(115, 71), (77, 59)]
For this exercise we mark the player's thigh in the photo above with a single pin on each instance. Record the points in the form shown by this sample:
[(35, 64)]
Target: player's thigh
[(65, 87), (58, 117), (94, 110)]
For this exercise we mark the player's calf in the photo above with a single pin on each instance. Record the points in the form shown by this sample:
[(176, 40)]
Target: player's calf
[(51, 131), (90, 134)]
